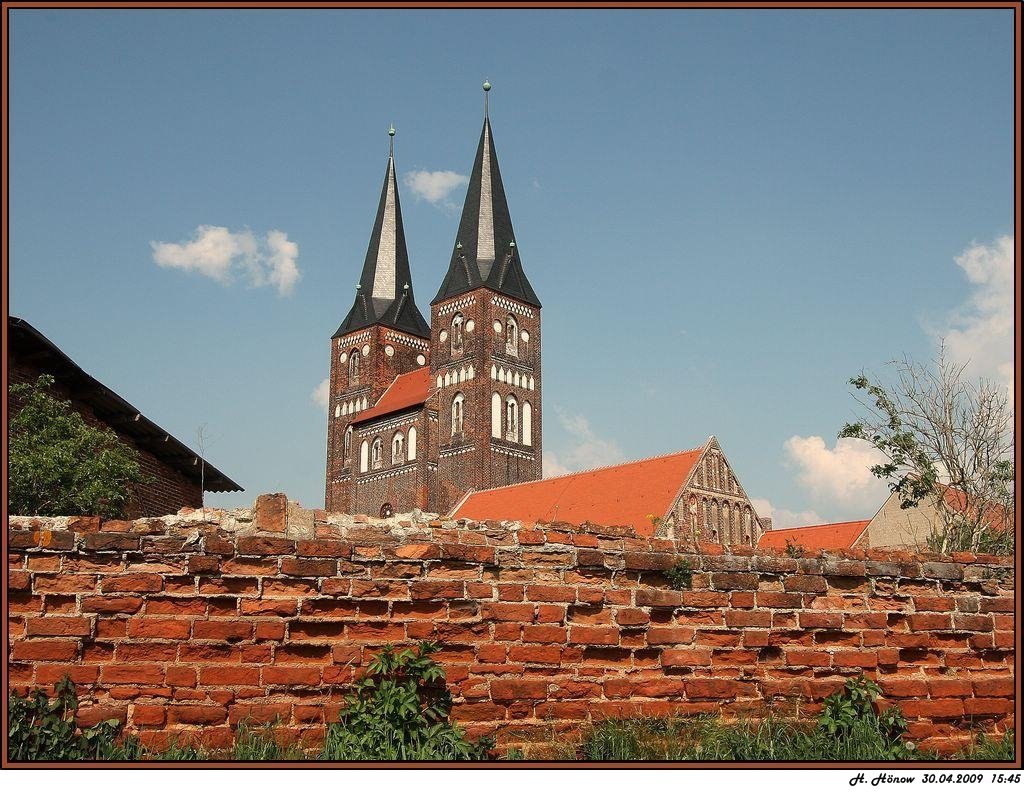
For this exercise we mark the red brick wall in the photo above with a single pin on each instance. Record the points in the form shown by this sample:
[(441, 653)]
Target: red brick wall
[(166, 490), (188, 624)]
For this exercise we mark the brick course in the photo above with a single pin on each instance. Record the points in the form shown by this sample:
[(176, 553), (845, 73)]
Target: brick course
[(197, 621)]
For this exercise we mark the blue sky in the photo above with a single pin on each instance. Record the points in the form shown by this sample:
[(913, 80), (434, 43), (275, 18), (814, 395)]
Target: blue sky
[(726, 214)]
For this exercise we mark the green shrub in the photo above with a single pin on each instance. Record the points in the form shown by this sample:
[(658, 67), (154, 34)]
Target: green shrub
[(680, 575), (60, 465), (41, 728), (399, 711), (850, 715)]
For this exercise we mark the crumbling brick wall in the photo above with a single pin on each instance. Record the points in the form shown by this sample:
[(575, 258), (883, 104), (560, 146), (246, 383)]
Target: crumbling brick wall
[(187, 624)]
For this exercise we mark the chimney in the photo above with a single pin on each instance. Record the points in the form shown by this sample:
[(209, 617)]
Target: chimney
[(766, 524)]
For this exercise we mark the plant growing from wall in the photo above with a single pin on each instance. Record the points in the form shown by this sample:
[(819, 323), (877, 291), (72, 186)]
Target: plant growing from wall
[(851, 712), (59, 464), (400, 711), (680, 574), (794, 550), (41, 728)]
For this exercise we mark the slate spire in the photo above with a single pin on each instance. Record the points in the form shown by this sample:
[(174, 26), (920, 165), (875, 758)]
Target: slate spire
[(384, 294), (485, 251)]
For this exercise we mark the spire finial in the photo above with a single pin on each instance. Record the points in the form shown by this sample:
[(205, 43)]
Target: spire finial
[(391, 142), (487, 87)]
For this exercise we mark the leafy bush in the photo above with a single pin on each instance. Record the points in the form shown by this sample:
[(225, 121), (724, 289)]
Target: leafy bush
[(399, 711), (59, 465), (680, 575), (40, 728), (794, 550), (850, 714)]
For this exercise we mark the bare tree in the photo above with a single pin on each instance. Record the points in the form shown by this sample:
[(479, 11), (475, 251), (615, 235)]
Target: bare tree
[(947, 440)]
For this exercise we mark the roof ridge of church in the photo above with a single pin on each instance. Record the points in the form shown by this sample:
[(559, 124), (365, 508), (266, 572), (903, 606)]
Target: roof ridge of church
[(593, 470)]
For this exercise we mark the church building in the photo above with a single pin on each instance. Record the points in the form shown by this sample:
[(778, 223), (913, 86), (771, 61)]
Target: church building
[(446, 416), (422, 414)]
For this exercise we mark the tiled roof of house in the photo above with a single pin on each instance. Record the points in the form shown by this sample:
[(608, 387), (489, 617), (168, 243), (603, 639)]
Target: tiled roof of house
[(408, 390), (993, 514), (825, 535), (621, 495)]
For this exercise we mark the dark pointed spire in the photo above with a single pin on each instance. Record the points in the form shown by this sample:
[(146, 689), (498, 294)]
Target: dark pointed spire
[(485, 251), (384, 293)]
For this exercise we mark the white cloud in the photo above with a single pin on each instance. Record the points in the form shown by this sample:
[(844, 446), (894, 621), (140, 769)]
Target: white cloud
[(322, 393), (980, 330), (434, 186), (839, 477), (223, 255), (784, 518), (585, 449)]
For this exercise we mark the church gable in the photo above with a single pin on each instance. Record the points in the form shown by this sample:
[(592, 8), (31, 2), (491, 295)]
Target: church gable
[(712, 505)]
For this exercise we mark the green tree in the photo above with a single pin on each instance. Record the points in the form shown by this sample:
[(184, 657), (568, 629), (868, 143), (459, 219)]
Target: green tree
[(948, 441), (59, 465)]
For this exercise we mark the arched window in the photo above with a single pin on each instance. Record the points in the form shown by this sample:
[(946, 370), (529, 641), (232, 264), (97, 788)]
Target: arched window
[(726, 530), (511, 336), (457, 323), (398, 449), (377, 454), (348, 443), (495, 415), (353, 367), (364, 456), (511, 419), (709, 521), (412, 443), (457, 414), (527, 424)]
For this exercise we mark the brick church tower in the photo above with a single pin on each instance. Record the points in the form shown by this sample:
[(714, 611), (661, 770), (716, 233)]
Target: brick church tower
[(486, 347), (421, 415), (384, 335)]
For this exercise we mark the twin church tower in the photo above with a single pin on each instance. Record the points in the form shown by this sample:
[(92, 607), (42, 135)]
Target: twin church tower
[(420, 415)]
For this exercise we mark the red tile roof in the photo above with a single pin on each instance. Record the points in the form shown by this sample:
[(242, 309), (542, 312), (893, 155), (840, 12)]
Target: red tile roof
[(408, 390), (825, 535), (621, 495), (993, 514)]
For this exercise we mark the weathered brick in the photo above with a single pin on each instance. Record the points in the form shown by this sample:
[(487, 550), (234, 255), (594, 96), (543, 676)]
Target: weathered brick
[(104, 541), (593, 635), (112, 605), (731, 581), (58, 626), (672, 658), (516, 690), (224, 630), (44, 650), (133, 582), (141, 627), (805, 583)]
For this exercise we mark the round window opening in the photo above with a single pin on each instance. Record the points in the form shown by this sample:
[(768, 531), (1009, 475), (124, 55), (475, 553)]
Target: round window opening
[(386, 510)]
